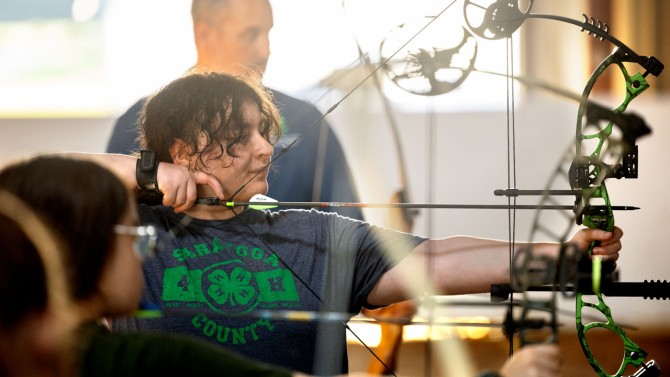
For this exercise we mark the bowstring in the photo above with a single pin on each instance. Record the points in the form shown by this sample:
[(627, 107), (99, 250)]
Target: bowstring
[(511, 164), (407, 215)]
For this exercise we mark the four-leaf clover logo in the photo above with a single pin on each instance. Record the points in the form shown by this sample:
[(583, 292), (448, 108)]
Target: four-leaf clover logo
[(233, 289)]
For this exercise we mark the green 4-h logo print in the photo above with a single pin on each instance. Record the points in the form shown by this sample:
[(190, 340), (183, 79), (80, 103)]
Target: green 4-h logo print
[(229, 288)]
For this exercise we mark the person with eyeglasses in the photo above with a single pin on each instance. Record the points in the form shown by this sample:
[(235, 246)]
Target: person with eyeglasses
[(220, 264), (71, 257), (145, 238)]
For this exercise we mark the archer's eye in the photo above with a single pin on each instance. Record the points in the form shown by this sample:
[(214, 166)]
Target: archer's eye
[(250, 36)]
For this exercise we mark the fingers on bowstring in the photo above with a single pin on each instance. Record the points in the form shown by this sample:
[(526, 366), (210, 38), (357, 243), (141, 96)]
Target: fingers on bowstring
[(177, 198), (187, 196), (180, 192)]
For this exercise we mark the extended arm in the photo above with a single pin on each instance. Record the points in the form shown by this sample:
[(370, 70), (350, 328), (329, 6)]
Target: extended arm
[(462, 264)]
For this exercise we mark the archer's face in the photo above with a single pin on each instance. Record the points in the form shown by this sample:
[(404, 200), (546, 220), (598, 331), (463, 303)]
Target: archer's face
[(250, 164), (240, 38)]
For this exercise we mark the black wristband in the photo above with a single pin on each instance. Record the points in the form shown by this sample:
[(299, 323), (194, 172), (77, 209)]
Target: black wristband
[(146, 171)]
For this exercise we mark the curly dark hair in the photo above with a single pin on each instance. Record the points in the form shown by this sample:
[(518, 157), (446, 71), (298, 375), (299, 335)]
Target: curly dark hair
[(209, 105)]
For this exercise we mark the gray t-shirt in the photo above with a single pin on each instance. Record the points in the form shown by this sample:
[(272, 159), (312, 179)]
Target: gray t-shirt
[(212, 278)]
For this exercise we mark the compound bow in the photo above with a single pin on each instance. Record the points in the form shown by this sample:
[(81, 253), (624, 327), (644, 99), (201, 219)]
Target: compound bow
[(608, 157)]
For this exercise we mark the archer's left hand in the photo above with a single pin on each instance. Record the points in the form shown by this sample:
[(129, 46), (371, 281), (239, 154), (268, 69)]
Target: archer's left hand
[(610, 242)]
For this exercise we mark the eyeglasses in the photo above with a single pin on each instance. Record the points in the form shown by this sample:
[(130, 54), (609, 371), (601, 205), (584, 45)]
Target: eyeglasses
[(145, 238)]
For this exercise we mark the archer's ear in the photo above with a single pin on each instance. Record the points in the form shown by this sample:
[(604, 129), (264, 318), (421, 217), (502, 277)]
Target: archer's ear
[(181, 153), (202, 35)]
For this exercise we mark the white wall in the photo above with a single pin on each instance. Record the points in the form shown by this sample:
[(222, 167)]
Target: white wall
[(21, 138)]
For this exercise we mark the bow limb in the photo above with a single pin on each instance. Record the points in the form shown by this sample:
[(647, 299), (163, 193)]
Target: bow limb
[(593, 188), (403, 219), (608, 156), (399, 218)]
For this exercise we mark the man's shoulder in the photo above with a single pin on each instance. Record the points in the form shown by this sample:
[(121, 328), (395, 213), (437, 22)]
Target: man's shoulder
[(282, 97), (286, 102), (128, 120), (125, 132), (135, 108)]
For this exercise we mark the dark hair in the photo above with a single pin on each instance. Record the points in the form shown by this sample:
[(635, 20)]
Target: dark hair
[(22, 274), (205, 104), (81, 201)]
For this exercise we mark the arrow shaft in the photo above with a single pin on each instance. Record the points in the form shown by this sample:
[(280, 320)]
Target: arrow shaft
[(411, 205)]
